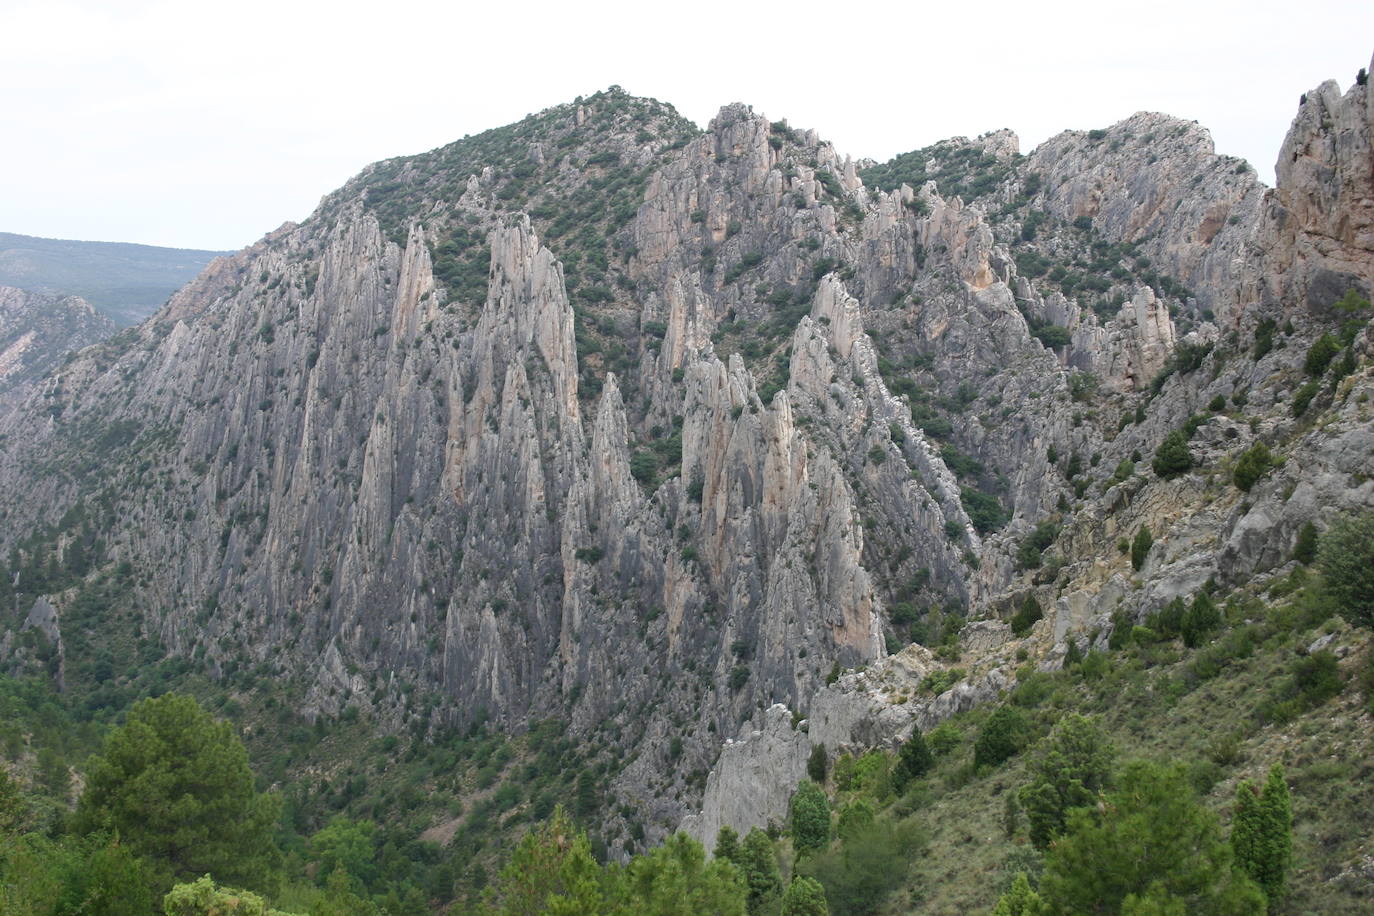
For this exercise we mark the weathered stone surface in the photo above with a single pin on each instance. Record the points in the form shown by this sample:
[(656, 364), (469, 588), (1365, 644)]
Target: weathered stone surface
[(36, 332), (652, 475)]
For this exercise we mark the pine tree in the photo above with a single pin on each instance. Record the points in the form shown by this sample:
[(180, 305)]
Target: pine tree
[(804, 897), (914, 760), (176, 787), (553, 863), (1003, 735), (1262, 833), (810, 818), (818, 764), (1346, 558), (1020, 900), (727, 844), (1072, 766), (1201, 619), (759, 863), (1305, 548), (1150, 847), (1140, 547)]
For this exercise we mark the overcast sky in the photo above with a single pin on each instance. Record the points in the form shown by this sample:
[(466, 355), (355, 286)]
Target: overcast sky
[(206, 125)]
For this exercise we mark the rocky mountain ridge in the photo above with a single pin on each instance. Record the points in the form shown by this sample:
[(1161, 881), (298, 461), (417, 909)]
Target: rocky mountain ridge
[(604, 418)]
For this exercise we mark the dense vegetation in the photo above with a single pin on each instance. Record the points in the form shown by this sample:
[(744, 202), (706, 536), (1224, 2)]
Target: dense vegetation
[(1171, 741)]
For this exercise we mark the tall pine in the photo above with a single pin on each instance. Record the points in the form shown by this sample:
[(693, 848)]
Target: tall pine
[(1262, 832)]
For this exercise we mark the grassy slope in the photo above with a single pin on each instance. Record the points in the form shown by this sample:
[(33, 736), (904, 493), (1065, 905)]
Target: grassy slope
[(1154, 705)]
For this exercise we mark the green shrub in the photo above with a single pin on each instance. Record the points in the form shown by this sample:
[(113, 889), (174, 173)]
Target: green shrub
[(1034, 544), (1003, 736), (1320, 354), (1254, 463), (1172, 458), (739, 676), (1026, 615), (1264, 336), (1305, 549), (1346, 560), (944, 739), (1140, 547), (860, 873), (644, 466), (984, 510), (1302, 398), (1053, 336)]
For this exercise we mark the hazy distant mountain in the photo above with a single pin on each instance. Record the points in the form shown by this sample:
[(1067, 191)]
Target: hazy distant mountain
[(125, 281)]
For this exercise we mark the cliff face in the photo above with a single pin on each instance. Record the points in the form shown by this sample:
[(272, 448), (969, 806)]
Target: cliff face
[(604, 418)]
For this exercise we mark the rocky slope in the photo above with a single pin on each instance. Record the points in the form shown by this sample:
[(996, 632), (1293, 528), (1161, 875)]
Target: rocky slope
[(36, 332), (604, 418)]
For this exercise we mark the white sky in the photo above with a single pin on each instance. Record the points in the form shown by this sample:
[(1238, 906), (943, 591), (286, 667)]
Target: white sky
[(204, 125)]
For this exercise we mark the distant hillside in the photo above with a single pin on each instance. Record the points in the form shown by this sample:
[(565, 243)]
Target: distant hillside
[(127, 282)]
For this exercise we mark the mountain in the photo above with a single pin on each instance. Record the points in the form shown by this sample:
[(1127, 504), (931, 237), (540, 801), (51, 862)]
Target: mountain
[(664, 441), (36, 331), (127, 282)]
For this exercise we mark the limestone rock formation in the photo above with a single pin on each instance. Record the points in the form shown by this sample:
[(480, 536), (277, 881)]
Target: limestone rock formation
[(652, 430)]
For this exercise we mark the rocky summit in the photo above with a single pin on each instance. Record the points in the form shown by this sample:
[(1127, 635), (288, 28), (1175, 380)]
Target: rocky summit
[(714, 447)]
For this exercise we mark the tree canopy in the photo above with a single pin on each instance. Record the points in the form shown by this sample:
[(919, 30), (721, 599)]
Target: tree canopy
[(1150, 847), (1071, 767), (1346, 559), (175, 785)]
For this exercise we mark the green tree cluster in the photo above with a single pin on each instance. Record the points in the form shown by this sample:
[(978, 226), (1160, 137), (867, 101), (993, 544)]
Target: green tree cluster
[(1002, 737), (1070, 769), (1262, 833), (176, 788), (552, 871), (810, 818), (1150, 847), (1346, 560)]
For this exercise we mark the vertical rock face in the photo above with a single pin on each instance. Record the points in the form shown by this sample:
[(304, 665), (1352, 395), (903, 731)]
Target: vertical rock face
[(1156, 180), (1316, 237), (1132, 348), (602, 418)]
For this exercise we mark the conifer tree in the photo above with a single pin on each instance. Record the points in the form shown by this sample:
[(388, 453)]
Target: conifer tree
[(1140, 547), (1020, 900), (1072, 766), (810, 817), (914, 760), (804, 897), (759, 864), (176, 787), (1262, 832)]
